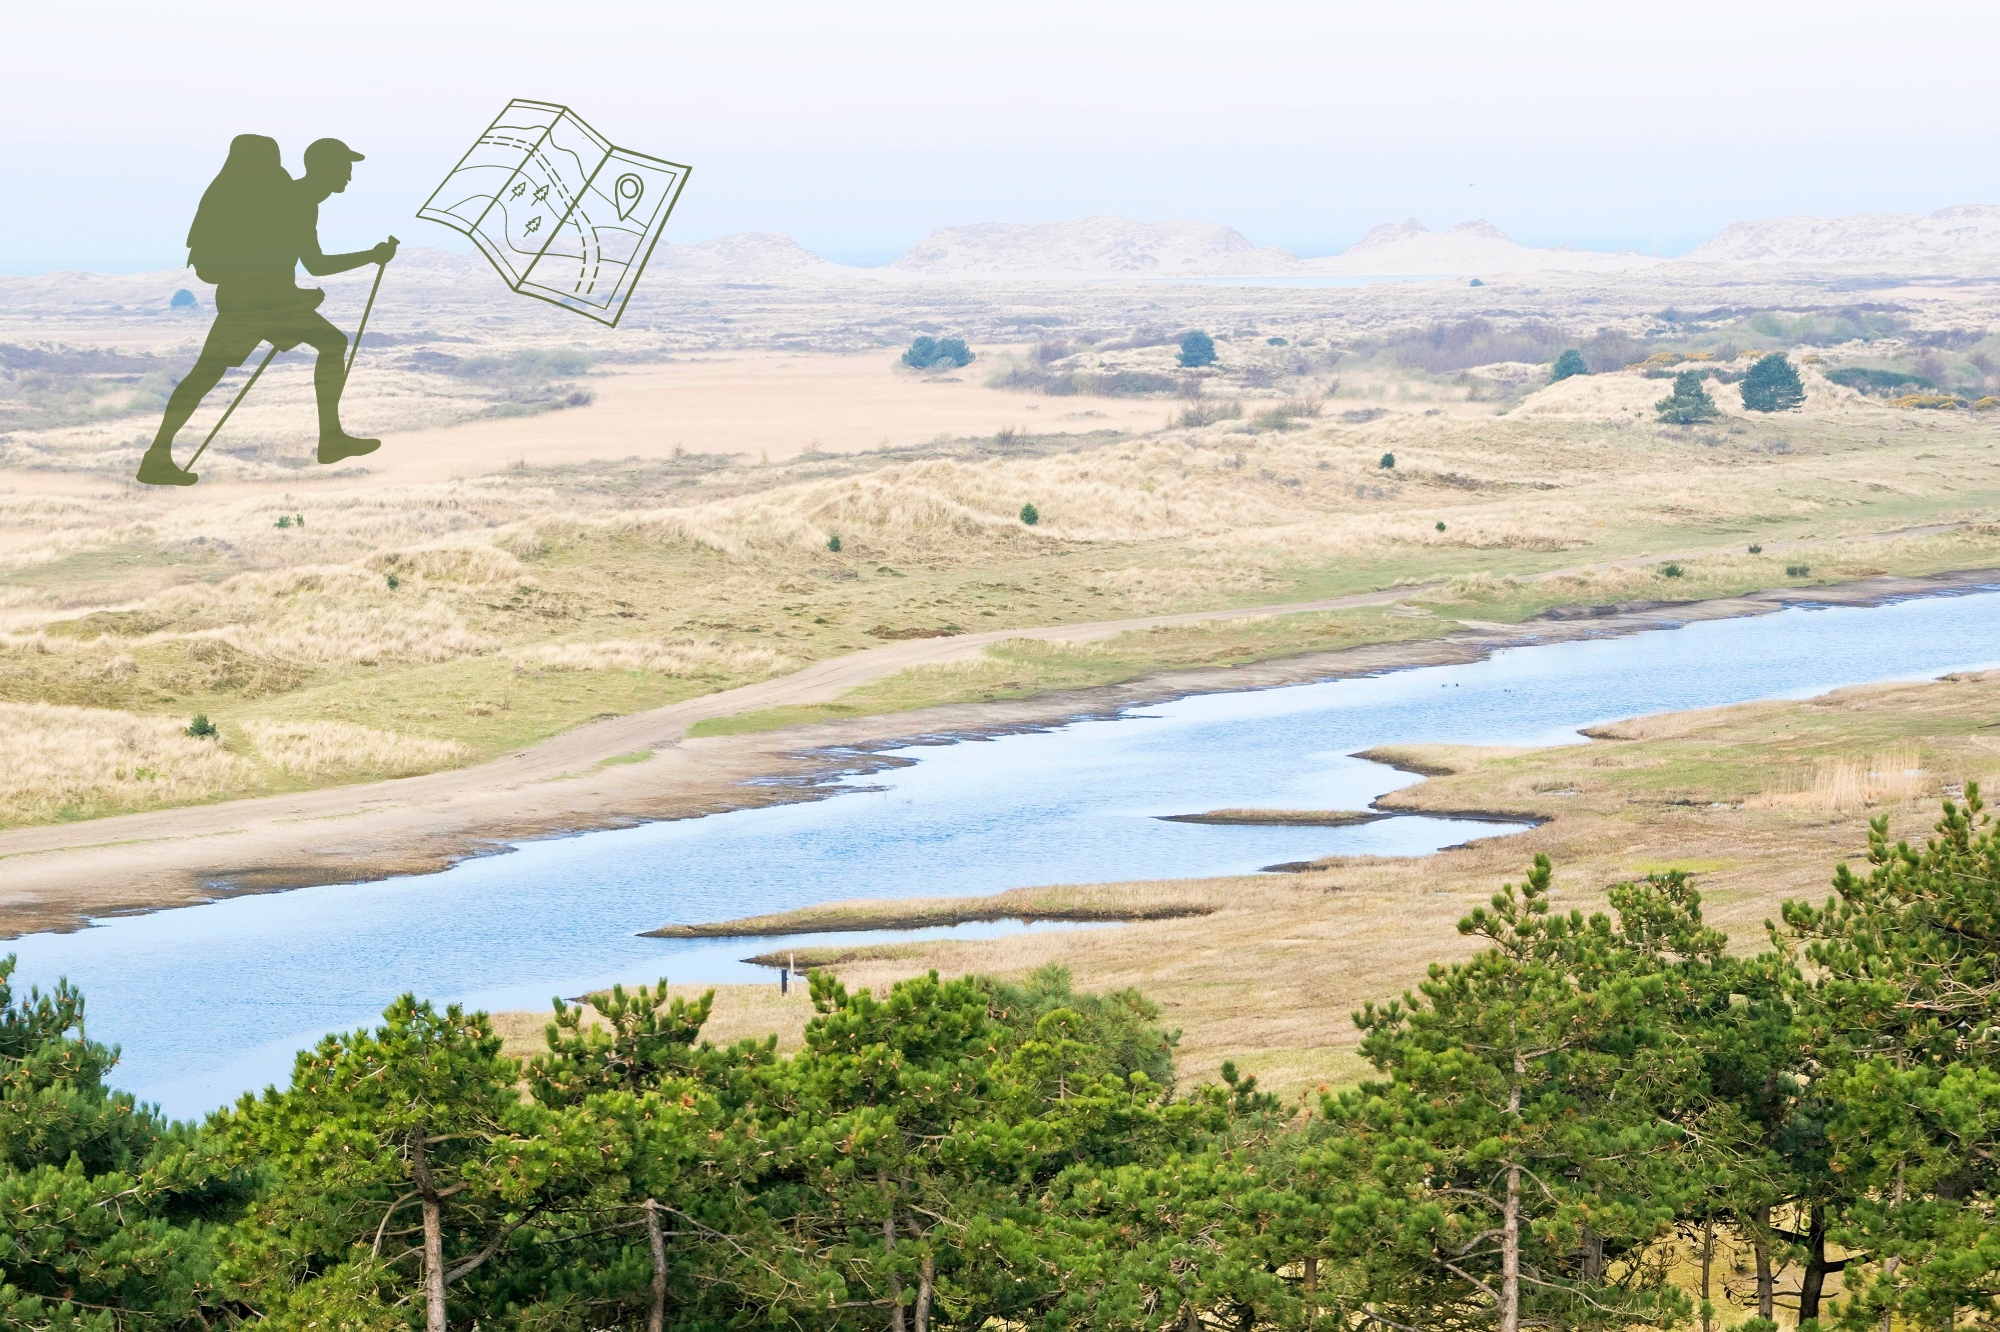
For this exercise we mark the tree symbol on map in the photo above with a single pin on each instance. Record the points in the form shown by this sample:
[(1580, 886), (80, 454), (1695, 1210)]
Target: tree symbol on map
[(596, 212)]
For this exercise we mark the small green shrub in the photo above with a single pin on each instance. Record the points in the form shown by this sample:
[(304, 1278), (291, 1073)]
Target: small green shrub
[(1688, 403), (1476, 282), (1772, 385), (284, 520), (928, 353), (1798, 570), (1440, 526), (1756, 550), (833, 543), (183, 300), (201, 728), (1388, 462), (1030, 514), (393, 581), (1671, 570), (1197, 350), (1568, 364), (1277, 342)]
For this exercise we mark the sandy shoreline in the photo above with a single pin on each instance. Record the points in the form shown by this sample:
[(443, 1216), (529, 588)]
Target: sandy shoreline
[(56, 877)]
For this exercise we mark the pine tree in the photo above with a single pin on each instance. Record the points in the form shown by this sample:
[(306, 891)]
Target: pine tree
[(1569, 364), (402, 1162), (107, 1212), (1772, 385), (1688, 403), (1521, 1142), (1904, 1012), (1197, 350)]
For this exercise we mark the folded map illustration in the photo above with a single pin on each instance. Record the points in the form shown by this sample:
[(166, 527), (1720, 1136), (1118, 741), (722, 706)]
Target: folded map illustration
[(562, 213)]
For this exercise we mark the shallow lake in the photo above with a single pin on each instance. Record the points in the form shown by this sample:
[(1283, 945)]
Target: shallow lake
[(212, 1000)]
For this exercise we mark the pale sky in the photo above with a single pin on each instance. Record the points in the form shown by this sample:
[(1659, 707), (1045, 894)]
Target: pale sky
[(858, 128)]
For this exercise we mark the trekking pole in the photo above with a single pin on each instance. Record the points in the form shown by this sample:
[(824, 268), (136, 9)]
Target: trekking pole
[(345, 370), (366, 310), (232, 406)]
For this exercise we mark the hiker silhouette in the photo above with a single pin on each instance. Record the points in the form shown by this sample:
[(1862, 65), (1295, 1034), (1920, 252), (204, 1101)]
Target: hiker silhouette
[(254, 227)]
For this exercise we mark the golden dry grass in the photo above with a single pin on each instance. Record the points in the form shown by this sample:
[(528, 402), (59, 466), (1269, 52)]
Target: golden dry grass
[(686, 657), (59, 762), (1893, 777), (492, 610), (323, 749), (64, 762)]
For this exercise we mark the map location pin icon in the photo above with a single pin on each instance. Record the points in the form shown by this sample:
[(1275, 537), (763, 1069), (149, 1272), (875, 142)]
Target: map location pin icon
[(629, 189)]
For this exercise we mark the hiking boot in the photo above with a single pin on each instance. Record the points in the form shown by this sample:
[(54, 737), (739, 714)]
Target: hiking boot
[(332, 448), (157, 469)]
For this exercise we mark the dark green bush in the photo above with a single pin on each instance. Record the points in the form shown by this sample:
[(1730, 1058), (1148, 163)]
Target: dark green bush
[(1568, 364), (1772, 385), (833, 543), (1865, 380), (928, 353), (183, 300), (1388, 462), (201, 728), (1688, 403), (1197, 350), (1030, 514)]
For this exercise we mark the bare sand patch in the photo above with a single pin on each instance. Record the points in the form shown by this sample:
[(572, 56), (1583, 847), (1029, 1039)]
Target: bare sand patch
[(774, 406)]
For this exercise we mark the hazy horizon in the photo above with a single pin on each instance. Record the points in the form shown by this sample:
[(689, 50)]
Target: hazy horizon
[(859, 133)]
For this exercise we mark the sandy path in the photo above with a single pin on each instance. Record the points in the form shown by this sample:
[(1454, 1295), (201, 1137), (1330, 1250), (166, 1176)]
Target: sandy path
[(53, 876)]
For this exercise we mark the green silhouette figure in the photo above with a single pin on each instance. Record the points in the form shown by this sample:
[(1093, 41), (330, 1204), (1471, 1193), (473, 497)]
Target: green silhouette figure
[(254, 227)]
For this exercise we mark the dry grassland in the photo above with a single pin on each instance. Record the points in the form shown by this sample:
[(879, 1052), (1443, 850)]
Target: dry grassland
[(486, 613), (1759, 802), (471, 597)]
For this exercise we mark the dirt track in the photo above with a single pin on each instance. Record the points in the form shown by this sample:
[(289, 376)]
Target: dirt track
[(54, 877)]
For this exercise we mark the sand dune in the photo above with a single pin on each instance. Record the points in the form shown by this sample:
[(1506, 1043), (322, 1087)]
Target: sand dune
[(773, 406)]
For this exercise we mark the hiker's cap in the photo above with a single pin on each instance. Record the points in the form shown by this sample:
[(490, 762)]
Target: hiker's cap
[(329, 152)]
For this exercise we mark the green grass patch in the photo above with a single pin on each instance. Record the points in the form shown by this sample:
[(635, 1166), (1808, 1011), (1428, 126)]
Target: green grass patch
[(1024, 667), (481, 701)]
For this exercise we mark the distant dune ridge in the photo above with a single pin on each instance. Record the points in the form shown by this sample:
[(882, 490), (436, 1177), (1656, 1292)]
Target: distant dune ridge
[(1960, 239), (1470, 248), (1094, 247), (744, 256)]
